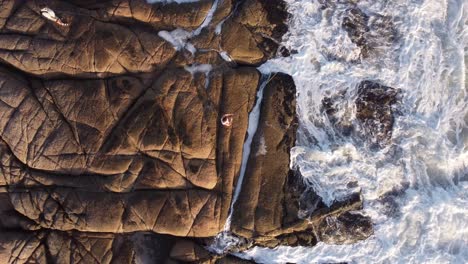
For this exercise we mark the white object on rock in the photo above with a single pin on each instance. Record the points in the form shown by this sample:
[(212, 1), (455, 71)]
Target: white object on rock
[(227, 119), (50, 15)]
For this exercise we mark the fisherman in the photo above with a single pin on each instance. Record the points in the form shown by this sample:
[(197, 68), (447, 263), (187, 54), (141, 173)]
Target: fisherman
[(50, 15), (227, 119)]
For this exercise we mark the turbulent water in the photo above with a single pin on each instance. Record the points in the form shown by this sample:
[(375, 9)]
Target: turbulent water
[(415, 188)]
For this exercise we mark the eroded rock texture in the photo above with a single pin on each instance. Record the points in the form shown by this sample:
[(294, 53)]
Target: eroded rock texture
[(111, 145), (107, 130)]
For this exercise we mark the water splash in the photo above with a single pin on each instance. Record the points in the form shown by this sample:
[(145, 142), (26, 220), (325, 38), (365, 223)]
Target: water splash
[(415, 189)]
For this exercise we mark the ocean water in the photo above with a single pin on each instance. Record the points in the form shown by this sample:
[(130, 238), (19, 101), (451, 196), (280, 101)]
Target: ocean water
[(415, 188)]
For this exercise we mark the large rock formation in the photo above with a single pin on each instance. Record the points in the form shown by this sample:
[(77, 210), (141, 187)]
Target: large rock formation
[(259, 208), (111, 145), (110, 131)]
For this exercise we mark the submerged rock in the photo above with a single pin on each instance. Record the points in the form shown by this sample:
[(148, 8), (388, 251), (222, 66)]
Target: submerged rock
[(375, 111), (336, 108), (355, 23), (370, 32), (346, 228)]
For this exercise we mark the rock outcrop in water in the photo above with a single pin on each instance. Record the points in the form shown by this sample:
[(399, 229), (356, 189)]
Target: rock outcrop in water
[(368, 31), (260, 207), (375, 111), (375, 106)]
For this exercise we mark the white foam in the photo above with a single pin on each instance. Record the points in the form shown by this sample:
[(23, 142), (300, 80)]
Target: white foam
[(225, 56), (180, 38), (426, 166), (262, 149), (201, 68)]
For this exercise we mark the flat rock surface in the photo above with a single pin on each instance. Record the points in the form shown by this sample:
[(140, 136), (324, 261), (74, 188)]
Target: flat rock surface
[(110, 127)]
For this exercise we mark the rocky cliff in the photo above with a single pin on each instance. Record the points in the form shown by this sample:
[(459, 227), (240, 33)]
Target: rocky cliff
[(111, 145)]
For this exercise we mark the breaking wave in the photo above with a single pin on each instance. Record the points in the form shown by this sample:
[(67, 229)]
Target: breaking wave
[(415, 187)]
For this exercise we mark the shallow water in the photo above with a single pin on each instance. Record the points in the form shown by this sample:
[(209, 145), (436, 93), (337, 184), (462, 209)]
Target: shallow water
[(415, 188)]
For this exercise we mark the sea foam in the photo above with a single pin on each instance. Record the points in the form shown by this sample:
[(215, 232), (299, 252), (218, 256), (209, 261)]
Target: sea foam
[(415, 189)]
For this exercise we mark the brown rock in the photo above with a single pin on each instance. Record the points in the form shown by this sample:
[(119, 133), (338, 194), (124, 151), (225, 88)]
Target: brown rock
[(111, 142), (127, 155), (188, 251), (103, 127), (253, 33), (259, 209), (88, 48), (75, 247)]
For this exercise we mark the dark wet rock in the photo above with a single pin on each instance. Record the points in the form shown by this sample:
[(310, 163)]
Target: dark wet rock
[(389, 201), (355, 23), (277, 16), (389, 205), (341, 120), (346, 228), (370, 32), (259, 209), (375, 111), (284, 52), (306, 238), (301, 200), (188, 251)]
